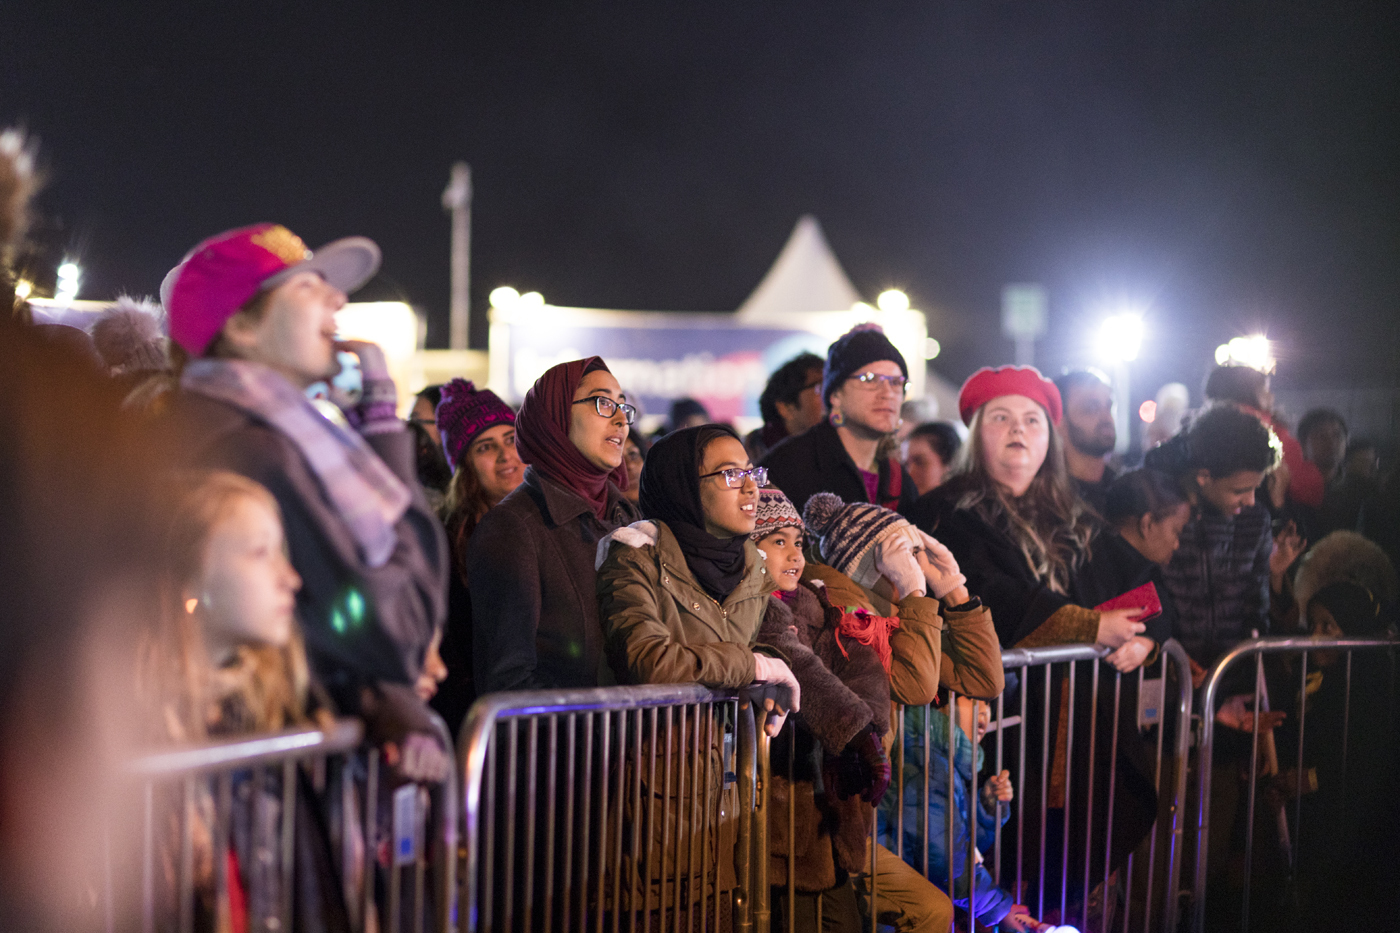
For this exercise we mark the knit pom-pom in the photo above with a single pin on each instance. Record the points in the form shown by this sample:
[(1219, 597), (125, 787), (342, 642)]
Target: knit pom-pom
[(821, 510), (457, 389), (129, 335)]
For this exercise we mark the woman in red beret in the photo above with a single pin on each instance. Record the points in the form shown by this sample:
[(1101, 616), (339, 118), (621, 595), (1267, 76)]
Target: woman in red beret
[(1021, 534)]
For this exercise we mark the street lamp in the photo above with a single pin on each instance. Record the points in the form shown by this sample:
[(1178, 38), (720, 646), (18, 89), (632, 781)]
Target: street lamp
[(892, 299), (1119, 341)]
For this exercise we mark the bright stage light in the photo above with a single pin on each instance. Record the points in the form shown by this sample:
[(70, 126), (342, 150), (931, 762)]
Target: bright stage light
[(1120, 337), (932, 348), (532, 300), (1254, 351)]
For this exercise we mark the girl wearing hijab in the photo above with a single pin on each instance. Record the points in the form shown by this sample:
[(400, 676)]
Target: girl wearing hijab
[(682, 595), (535, 624)]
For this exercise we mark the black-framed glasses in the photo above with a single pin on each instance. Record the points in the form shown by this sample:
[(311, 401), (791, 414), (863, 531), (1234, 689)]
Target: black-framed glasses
[(607, 407), (875, 380), (734, 477)]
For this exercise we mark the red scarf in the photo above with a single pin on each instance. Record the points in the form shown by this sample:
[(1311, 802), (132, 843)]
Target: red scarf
[(868, 629), (542, 434)]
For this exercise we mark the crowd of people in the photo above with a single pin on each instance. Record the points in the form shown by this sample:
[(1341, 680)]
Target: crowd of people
[(303, 551)]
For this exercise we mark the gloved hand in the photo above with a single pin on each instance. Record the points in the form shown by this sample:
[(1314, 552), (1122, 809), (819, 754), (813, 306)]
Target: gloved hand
[(377, 409), (940, 567), (863, 768), (400, 724), (894, 558), (774, 690)]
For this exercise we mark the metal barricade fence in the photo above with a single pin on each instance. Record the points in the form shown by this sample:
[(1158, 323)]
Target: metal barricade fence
[(196, 800), (613, 808), (1169, 759), (1290, 831)]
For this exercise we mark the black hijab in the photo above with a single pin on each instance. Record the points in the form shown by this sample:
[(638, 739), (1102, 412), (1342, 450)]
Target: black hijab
[(670, 493)]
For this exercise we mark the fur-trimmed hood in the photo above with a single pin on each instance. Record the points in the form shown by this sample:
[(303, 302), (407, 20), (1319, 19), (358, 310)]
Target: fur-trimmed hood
[(1344, 557)]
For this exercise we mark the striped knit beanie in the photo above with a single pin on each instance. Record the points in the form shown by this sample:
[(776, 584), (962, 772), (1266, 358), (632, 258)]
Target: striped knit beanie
[(775, 511), (848, 533), (464, 412)]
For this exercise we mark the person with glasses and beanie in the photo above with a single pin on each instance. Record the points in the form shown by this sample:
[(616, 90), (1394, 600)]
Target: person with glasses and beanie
[(863, 385), (534, 609)]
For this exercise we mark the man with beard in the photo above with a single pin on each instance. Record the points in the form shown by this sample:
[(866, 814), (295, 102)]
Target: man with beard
[(1089, 433), (863, 385)]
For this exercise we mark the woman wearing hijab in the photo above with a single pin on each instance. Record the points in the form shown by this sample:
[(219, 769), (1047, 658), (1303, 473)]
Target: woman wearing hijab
[(535, 623), (682, 595)]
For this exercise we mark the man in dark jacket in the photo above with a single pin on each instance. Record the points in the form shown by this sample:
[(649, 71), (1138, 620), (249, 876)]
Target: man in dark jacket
[(254, 309), (1089, 433), (863, 387)]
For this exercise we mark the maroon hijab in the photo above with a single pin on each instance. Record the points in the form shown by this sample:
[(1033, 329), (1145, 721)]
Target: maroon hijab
[(542, 434)]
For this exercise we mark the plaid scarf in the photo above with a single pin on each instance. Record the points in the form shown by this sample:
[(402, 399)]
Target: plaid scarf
[(364, 492)]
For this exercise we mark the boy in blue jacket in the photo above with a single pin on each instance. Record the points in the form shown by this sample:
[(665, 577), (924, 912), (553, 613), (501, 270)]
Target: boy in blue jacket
[(992, 906)]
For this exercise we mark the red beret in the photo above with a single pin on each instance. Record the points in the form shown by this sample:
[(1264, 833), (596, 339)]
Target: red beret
[(987, 383)]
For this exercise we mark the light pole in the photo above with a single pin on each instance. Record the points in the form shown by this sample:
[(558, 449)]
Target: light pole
[(1120, 339)]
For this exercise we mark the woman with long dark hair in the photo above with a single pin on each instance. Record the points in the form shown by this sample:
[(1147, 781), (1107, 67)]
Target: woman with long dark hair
[(1022, 536), (536, 624)]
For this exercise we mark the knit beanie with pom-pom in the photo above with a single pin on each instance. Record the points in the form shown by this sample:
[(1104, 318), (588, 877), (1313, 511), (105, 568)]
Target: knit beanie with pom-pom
[(129, 337), (849, 531)]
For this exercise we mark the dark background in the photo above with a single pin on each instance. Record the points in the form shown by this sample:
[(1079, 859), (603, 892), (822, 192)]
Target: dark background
[(1226, 166)]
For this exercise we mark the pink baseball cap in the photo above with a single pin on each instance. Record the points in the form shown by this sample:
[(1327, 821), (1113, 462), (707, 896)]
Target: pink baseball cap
[(228, 270)]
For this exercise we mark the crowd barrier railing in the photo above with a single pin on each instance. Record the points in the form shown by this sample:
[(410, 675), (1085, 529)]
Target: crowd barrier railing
[(195, 800), (1060, 664), (1211, 697), (613, 808)]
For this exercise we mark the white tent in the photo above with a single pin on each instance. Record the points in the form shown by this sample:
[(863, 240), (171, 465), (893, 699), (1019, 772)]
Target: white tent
[(805, 277)]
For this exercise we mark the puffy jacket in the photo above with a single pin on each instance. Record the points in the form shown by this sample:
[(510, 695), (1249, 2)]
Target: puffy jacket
[(991, 903), (659, 624), (1219, 580)]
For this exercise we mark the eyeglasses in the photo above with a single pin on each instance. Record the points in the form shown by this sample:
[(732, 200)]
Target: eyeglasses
[(734, 477), (875, 380), (607, 407)]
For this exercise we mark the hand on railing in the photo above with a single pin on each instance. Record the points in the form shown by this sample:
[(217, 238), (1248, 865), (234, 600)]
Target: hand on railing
[(1131, 656), (1118, 626), (863, 768), (997, 789), (1235, 713), (774, 690), (399, 723)]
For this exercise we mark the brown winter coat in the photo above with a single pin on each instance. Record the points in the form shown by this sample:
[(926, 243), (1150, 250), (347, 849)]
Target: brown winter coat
[(661, 627)]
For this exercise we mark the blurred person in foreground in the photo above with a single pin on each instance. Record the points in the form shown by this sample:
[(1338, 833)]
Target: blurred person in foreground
[(254, 312), (791, 403), (1089, 433), (863, 386), (478, 439), (928, 453)]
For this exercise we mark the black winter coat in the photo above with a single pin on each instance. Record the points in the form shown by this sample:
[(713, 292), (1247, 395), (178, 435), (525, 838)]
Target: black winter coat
[(816, 461), (534, 590)]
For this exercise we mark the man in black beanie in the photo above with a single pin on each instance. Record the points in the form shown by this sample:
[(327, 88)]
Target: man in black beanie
[(863, 385)]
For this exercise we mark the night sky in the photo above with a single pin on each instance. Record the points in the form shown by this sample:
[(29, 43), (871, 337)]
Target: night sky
[(1228, 166)]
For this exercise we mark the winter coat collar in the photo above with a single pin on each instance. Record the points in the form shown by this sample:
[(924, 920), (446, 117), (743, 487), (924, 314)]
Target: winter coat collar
[(560, 505), (675, 572)]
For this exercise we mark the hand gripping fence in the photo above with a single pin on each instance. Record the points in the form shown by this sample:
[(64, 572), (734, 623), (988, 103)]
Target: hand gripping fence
[(1290, 831), (239, 802)]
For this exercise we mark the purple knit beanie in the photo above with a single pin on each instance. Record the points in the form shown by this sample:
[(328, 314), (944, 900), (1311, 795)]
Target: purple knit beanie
[(464, 412)]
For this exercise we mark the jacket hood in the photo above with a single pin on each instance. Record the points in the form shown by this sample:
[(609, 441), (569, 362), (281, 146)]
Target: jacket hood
[(1344, 557)]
